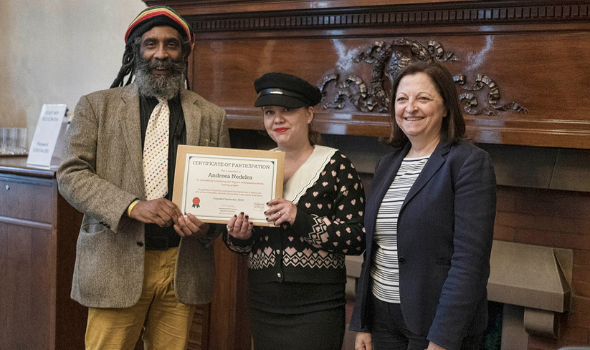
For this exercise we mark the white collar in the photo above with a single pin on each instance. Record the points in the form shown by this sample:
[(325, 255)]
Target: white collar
[(307, 173)]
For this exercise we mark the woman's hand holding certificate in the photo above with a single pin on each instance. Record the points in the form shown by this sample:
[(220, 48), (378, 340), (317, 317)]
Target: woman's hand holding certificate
[(280, 211), (240, 227)]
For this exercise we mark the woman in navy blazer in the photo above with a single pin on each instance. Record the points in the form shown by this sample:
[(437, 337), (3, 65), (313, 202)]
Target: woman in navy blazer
[(444, 225)]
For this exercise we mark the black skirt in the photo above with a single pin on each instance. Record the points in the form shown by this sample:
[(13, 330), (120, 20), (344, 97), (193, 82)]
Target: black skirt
[(317, 330)]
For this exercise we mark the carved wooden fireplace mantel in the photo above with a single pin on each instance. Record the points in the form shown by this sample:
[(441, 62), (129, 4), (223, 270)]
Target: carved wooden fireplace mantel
[(521, 67)]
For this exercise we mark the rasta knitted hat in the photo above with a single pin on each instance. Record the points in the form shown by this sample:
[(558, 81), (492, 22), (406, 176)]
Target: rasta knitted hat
[(158, 16)]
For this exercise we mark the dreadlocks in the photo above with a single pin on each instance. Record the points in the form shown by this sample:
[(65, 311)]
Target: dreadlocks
[(128, 67)]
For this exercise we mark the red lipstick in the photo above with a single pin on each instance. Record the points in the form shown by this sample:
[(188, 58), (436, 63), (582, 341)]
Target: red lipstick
[(280, 130)]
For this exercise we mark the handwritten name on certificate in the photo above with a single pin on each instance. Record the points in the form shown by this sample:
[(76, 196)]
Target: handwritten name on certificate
[(215, 184)]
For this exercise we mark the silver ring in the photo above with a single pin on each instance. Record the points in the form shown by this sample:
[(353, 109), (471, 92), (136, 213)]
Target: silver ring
[(228, 228), (280, 214)]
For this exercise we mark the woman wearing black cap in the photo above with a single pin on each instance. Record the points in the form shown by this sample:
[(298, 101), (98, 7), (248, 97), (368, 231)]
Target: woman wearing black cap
[(296, 269)]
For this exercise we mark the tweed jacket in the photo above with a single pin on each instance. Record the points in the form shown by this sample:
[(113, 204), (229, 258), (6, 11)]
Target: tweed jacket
[(102, 173)]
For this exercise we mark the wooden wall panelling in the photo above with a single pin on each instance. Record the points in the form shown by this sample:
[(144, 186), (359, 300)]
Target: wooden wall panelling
[(27, 302), (199, 332), (38, 232), (534, 53), (27, 315), (70, 316), (229, 323), (545, 79)]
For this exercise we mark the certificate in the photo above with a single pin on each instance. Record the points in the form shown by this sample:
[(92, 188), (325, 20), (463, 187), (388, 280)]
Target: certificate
[(215, 184)]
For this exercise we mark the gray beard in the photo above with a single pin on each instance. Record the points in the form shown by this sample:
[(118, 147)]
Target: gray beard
[(151, 85)]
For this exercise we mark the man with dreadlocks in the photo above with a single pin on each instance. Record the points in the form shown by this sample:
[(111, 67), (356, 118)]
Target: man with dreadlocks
[(140, 263)]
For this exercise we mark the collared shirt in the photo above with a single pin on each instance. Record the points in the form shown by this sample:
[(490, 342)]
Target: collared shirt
[(177, 133)]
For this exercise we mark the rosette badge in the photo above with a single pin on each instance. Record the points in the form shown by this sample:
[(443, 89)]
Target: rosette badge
[(196, 202)]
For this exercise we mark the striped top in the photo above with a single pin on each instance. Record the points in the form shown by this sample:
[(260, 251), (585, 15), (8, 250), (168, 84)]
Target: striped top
[(385, 268)]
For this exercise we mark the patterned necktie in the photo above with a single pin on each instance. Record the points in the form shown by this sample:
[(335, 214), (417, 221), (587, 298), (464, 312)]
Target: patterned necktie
[(155, 152)]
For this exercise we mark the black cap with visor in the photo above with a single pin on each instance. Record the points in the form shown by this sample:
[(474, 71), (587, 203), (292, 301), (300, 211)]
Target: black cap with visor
[(285, 90)]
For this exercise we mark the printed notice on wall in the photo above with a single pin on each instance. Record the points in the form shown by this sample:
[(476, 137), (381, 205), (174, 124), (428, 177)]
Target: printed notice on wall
[(49, 136)]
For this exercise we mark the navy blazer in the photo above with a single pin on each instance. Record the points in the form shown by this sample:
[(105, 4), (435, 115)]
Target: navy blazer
[(445, 231)]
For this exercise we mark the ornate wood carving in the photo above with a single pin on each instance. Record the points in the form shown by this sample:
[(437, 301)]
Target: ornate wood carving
[(387, 61), (469, 100)]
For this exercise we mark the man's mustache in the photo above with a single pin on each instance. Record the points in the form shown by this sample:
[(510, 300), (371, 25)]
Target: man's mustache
[(166, 63), (159, 63)]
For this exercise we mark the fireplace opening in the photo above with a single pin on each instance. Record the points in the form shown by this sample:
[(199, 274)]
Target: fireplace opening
[(493, 334)]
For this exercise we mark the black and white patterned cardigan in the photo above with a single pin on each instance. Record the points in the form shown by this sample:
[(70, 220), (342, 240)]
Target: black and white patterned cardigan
[(328, 226)]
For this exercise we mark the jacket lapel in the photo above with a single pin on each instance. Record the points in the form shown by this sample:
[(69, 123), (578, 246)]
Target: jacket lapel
[(132, 130), (192, 117), (434, 163), (390, 174)]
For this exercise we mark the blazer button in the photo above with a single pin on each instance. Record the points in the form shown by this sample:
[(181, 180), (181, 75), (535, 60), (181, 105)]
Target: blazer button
[(401, 260), (140, 244)]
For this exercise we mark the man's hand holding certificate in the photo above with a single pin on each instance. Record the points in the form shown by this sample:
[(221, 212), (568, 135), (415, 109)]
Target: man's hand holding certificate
[(214, 183)]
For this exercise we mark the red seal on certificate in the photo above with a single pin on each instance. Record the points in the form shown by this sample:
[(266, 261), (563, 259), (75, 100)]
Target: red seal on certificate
[(196, 202)]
